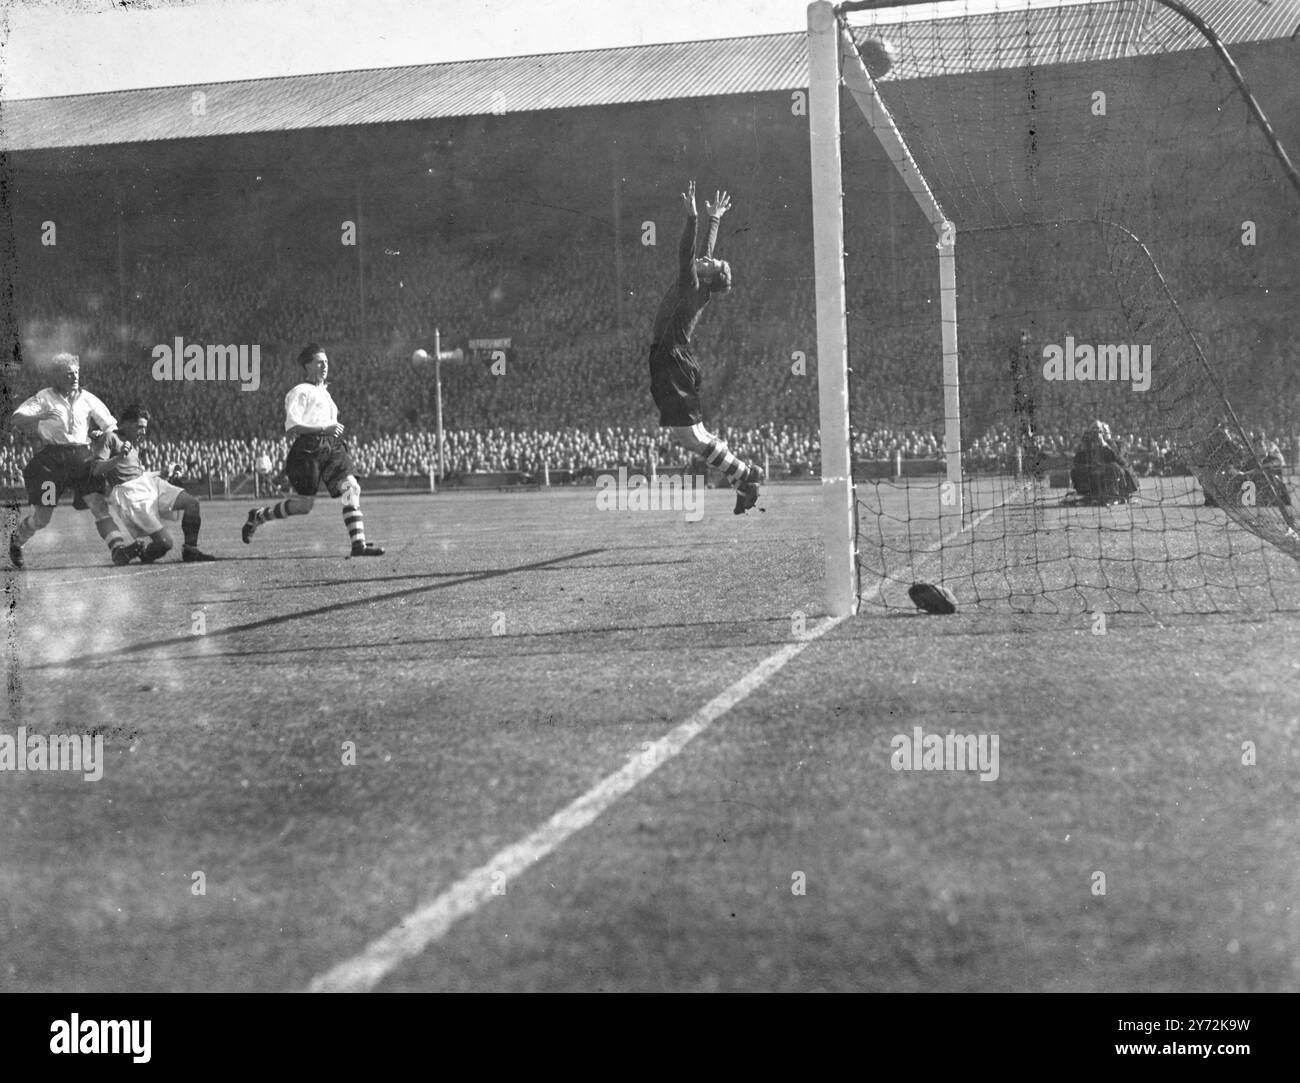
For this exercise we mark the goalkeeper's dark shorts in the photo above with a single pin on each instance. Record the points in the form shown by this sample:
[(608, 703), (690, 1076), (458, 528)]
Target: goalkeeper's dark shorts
[(57, 469), (317, 460), (675, 385)]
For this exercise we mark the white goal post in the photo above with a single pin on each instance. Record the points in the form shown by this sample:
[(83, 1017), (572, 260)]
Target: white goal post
[(833, 60)]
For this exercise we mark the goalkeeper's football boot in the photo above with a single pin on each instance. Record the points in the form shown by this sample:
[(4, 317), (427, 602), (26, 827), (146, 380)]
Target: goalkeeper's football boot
[(366, 549), (746, 497), (192, 554), (249, 527), (15, 551), (747, 490), (124, 554)]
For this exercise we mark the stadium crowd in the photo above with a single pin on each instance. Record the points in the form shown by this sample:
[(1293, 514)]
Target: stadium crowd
[(789, 451), (573, 394)]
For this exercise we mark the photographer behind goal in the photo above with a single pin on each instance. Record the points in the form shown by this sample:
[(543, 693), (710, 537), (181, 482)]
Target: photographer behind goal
[(1100, 474)]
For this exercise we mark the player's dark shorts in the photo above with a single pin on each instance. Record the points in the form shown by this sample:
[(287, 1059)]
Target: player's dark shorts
[(317, 460), (68, 467), (675, 385)]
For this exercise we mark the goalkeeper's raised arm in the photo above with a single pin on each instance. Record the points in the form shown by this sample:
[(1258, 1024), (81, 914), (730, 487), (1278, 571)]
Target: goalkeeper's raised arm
[(686, 280), (721, 205), (699, 266)]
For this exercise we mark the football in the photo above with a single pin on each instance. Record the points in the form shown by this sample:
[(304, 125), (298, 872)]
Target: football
[(263, 464), (420, 357), (878, 55), (933, 598)]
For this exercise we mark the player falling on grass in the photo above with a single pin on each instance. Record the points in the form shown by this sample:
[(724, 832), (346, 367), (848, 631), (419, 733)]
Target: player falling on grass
[(61, 417), (319, 456), (674, 372), (141, 499)]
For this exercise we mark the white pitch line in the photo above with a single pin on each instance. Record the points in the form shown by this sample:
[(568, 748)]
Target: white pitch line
[(131, 572), (431, 922), (418, 930)]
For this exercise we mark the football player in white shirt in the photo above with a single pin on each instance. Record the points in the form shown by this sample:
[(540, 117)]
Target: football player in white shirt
[(61, 417), (319, 456)]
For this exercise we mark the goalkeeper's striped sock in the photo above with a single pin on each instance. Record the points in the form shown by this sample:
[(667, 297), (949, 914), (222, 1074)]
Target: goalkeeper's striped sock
[(355, 523), (718, 455)]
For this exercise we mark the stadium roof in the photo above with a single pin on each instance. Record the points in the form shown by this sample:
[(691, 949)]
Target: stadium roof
[(642, 73)]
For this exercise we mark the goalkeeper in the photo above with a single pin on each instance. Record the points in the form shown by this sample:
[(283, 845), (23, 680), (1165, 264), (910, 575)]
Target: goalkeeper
[(674, 372)]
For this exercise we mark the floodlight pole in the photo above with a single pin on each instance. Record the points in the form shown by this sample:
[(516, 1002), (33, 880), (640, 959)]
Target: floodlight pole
[(437, 395), (439, 356)]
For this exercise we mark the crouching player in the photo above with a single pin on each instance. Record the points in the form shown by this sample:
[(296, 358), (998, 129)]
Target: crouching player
[(141, 499), (319, 456), (1100, 474)]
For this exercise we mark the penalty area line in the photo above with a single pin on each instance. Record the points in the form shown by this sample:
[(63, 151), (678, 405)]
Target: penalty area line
[(414, 933)]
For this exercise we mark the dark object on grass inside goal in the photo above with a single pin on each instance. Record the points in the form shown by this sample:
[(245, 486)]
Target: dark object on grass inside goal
[(933, 598)]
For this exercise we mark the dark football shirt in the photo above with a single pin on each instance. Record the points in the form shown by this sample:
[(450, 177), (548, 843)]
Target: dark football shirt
[(680, 309), (118, 462), (1096, 454)]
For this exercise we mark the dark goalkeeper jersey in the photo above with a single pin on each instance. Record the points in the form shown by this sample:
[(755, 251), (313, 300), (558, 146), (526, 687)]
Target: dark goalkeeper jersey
[(680, 309)]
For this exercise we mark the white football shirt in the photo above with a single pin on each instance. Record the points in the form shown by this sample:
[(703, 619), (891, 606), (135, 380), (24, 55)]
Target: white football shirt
[(66, 421), (310, 405)]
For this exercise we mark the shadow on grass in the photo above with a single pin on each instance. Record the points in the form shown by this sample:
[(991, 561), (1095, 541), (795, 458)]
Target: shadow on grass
[(167, 562), (323, 583), (308, 614), (554, 640)]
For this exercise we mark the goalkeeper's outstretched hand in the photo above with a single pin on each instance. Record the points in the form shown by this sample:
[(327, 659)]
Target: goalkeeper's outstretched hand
[(721, 205)]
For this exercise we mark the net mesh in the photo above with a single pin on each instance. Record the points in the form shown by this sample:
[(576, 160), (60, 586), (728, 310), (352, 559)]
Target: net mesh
[(1128, 406)]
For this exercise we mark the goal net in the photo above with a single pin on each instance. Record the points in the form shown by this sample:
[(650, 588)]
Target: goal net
[(1067, 235)]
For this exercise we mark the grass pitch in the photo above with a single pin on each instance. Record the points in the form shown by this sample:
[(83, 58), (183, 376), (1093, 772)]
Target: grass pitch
[(511, 651)]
